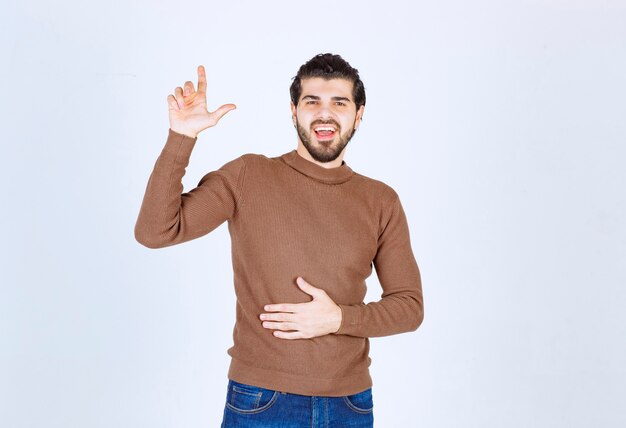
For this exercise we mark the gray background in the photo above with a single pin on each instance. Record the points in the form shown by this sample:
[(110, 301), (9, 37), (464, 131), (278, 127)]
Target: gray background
[(499, 123)]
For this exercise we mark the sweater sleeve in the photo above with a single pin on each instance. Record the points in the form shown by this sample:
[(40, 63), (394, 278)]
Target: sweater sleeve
[(401, 308), (168, 216)]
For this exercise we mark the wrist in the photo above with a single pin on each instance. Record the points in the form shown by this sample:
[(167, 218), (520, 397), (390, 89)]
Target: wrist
[(338, 319), (185, 132)]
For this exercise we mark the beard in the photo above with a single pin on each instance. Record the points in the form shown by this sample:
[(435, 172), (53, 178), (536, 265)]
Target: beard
[(322, 152)]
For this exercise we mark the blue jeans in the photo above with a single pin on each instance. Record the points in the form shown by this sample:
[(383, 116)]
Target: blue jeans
[(250, 406)]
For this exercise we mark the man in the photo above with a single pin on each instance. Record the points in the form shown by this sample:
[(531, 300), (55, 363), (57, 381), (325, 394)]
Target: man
[(306, 231)]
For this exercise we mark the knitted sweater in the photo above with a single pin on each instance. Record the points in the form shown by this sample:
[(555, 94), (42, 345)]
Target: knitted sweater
[(289, 217)]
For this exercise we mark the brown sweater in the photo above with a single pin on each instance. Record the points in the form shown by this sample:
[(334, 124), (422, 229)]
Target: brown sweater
[(290, 217)]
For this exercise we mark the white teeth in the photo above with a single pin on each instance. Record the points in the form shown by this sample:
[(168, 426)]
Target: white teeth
[(325, 128)]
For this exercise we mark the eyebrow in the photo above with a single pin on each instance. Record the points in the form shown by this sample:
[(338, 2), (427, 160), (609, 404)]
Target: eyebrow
[(315, 97)]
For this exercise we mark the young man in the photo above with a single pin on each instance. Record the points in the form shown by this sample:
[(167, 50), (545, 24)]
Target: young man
[(306, 231)]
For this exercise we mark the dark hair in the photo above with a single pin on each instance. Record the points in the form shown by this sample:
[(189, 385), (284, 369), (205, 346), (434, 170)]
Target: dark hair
[(328, 66)]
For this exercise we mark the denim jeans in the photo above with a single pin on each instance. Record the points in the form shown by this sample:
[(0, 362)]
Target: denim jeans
[(249, 406)]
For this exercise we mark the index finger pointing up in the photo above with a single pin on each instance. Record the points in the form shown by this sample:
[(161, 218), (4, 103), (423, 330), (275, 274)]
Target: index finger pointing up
[(201, 79)]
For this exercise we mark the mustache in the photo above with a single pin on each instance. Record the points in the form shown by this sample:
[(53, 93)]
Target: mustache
[(325, 122)]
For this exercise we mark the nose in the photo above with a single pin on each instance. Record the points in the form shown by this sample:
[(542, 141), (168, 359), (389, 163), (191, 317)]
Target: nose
[(324, 113)]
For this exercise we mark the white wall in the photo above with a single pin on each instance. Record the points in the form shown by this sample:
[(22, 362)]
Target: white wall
[(500, 124)]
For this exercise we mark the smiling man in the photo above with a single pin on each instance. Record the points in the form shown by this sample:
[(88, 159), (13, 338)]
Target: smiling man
[(306, 232)]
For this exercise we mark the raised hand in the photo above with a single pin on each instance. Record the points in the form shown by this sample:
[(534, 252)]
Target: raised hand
[(187, 108)]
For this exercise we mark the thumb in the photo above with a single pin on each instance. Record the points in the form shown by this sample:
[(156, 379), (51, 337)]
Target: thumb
[(308, 288), (220, 112)]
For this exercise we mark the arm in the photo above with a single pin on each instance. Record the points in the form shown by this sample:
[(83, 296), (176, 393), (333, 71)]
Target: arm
[(401, 308), (168, 216)]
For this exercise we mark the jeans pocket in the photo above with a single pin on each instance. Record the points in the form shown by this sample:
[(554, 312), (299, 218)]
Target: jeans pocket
[(244, 398), (361, 402)]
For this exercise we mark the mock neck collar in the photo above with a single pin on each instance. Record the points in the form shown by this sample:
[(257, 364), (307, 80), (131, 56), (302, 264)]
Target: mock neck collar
[(335, 175)]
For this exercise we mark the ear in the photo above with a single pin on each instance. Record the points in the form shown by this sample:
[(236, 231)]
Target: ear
[(293, 113), (359, 115)]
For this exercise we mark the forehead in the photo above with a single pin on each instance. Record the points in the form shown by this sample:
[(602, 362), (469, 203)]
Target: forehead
[(326, 87)]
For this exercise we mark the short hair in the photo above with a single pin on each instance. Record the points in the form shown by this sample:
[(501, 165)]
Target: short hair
[(328, 66)]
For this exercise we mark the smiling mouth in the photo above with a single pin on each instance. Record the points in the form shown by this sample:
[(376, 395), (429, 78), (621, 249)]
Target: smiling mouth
[(325, 132)]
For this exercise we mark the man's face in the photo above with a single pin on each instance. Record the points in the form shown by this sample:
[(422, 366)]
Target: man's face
[(326, 117)]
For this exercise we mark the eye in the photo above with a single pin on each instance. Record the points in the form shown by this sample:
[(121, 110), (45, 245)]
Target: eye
[(340, 103), (311, 102)]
